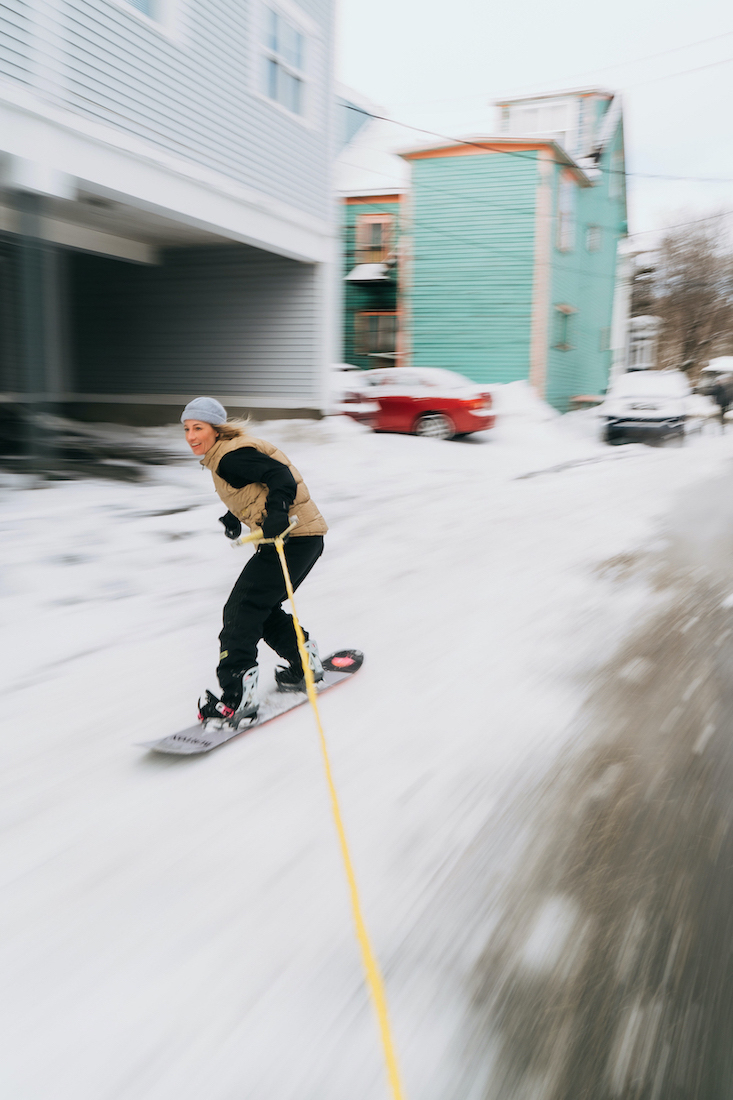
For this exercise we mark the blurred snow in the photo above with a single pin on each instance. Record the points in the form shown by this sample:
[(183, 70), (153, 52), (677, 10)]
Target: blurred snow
[(176, 929), (520, 399)]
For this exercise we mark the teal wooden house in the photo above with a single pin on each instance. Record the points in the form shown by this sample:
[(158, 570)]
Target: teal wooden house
[(507, 261)]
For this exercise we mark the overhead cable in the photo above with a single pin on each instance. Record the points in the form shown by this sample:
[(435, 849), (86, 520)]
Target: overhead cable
[(501, 148)]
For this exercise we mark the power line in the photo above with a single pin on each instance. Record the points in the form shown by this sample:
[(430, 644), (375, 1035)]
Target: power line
[(639, 60), (681, 72), (431, 227), (577, 76), (479, 246), (610, 228), (682, 225), (501, 148), (434, 189)]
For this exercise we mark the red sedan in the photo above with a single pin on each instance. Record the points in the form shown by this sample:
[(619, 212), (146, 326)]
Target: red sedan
[(423, 401)]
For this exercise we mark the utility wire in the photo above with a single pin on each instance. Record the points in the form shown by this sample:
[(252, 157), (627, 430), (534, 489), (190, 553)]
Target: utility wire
[(431, 227), (442, 190), (435, 190), (637, 60), (681, 72), (501, 148), (480, 246), (682, 225), (577, 76)]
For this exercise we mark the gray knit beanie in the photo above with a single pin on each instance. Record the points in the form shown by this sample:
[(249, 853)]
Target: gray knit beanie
[(207, 409)]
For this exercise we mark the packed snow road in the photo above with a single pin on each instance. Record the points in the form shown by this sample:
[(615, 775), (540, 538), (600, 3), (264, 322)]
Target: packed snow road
[(532, 764)]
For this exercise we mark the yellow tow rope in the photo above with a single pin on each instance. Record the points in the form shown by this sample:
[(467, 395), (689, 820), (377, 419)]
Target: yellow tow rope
[(374, 980)]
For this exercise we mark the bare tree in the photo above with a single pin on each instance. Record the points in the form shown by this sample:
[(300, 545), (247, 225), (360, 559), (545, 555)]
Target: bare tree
[(690, 287)]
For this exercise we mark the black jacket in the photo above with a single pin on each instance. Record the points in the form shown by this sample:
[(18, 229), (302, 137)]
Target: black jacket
[(247, 465)]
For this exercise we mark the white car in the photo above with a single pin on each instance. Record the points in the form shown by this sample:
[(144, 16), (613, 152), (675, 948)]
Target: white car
[(644, 404)]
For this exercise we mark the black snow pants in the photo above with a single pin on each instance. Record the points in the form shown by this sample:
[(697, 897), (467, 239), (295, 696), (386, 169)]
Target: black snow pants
[(253, 611)]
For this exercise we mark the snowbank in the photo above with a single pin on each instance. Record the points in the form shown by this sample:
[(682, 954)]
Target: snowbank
[(179, 929), (521, 400)]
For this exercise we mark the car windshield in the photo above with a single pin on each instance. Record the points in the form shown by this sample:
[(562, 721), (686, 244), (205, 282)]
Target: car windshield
[(650, 383)]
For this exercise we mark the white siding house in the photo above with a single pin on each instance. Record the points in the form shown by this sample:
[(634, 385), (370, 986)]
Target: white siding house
[(166, 221)]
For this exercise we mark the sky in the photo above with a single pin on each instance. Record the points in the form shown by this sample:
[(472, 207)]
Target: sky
[(441, 66)]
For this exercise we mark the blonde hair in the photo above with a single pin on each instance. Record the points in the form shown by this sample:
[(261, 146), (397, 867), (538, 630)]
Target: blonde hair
[(232, 429)]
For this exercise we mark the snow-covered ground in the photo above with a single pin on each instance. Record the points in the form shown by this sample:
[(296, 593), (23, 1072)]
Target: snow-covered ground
[(178, 929)]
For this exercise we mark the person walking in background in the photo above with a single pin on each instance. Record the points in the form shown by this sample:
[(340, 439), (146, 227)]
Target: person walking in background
[(261, 488), (721, 394)]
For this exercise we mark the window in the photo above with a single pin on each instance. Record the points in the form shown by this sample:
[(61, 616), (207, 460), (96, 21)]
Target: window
[(566, 212), (553, 116), (617, 176), (284, 62), (562, 337), (593, 238), (373, 238), (162, 16), (642, 351), (376, 333), (145, 6)]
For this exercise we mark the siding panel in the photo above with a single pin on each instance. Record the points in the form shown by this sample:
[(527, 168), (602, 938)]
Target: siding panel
[(472, 264), (226, 320), (194, 96), (15, 41), (586, 281)]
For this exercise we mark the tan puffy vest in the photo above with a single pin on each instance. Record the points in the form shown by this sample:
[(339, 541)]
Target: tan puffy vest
[(248, 504)]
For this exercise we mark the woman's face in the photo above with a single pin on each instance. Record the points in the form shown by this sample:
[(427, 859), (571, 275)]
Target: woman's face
[(200, 436)]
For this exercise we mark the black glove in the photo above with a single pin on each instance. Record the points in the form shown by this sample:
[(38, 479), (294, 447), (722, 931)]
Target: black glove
[(274, 524), (232, 526)]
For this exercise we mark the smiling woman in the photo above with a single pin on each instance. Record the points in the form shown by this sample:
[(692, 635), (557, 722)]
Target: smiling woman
[(200, 436), (262, 489)]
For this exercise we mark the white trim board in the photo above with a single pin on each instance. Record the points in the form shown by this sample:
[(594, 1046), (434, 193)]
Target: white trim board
[(234, 400), (132, 171), (84, 238)]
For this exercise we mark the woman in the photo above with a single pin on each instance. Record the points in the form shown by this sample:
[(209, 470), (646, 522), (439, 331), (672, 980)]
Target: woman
[(260, 488)]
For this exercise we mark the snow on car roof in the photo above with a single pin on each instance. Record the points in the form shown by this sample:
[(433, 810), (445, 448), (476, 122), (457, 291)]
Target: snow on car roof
[(431, 376), (722, 365), (667, 383)]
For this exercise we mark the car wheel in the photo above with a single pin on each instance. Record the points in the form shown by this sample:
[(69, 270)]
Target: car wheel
[(435, 426)]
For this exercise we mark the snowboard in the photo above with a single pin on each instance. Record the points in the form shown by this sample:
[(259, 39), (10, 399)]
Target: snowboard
[(337, 668)]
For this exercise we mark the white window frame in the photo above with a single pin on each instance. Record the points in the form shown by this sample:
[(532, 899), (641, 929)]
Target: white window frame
[(642, 350), (617, 175), (151, 3), (365, 254), (567, 202), (164, 21), (593, 238), (362, 332), (563, 315), (304, 25)]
